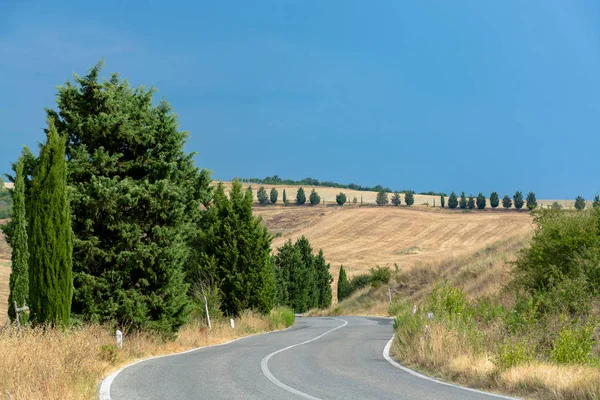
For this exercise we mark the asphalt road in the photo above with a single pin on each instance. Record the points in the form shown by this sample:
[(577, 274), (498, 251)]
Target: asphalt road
[(318, 358)]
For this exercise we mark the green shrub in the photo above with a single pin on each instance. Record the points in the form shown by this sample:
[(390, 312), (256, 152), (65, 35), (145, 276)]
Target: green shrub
[(359, 282), (574, 344), (109, 353), (447, 301), (510, 354), (379, 276), (282, 317), (340, 199)]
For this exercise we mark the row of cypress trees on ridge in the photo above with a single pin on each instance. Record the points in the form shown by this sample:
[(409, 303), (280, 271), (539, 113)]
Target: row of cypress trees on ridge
[(113, 222), (479, 202)]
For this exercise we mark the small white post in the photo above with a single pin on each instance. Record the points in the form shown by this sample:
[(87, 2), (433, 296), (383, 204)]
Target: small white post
[(206, 306), (390, 294), (232, 323), (119, 337), (414, 309)]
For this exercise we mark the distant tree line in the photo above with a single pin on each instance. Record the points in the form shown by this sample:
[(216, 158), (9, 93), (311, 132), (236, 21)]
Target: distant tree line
[(276, 180)]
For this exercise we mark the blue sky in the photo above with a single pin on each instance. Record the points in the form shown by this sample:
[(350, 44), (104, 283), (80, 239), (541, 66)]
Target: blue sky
[(424, 95)]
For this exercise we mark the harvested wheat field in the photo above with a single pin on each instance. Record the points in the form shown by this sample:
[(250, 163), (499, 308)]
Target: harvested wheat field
[(363, 237), (4, 275)]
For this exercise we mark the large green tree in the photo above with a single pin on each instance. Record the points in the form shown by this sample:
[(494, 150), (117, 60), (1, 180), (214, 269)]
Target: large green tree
[(19, 276), (340, 199), (136, 198), (294, 277), (273, 195), (50, 235), (409, 198), (323, 279), (518, 200), (262, 196), (343, 289), (471, 202), (300, 197), (314, 198), (462, 203), (396, 200), (234, 248), (506, 201), (382, 198), (531, 201), (480, 201)]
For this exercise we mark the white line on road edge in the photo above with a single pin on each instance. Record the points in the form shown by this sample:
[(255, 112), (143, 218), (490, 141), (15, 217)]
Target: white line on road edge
[(264, 364), (386, 355), (107, 382)]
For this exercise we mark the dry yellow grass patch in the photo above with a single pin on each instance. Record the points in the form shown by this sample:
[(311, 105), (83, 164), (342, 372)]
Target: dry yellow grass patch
[(553, 381), (55, 364)]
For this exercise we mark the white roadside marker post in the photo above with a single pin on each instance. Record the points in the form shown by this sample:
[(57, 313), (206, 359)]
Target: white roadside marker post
[(232, 323), (119, 337)]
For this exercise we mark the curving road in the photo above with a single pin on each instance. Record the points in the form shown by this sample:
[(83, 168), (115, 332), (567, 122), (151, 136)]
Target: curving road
[(318, 358)]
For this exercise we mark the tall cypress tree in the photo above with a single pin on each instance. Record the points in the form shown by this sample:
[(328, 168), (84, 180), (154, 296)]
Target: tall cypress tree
[(494, 200), (324, 280), (50, 236), (308, 264), (136, 198), (343, 289), (19, 276), (290, 263)]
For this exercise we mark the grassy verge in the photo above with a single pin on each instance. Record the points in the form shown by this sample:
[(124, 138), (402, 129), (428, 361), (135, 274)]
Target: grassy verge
[(68, 364)]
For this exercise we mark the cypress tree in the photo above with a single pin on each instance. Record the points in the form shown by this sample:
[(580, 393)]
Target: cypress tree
[(300, 197), (234, 247), (506, 202), (580, 203), (409, 198), (262, 196), (19, 276), (50, 236), (471, 202), (314, 198), (343, 289), (273, 195), (294, 276), (308, 264), (382, 198), (136, 201), (480, 201), (462, 203), (494, 200), (452, 201), (340, 199), (324, 280), (531, 201), (596, 202), (443, 200), (396, 199), (518, 200), (285, 200)]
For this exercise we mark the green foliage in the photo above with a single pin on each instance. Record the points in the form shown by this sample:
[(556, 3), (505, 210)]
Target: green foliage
[(452, 201), (354, 200), (462, 203), (344, 289), (596, 202), (340, 199), (518, 200), (282, 316), (409, 198), (285, 199), (574, 344), (19, 276), (234, 248), (471, 202), (446, 301), (494, 200), (442, 200), (480, 201), (379, 276), (531, 201), (556, 206), (273, 195), (506, 202), (262, 196), (580, 203), (382, 198), (510, 354), (50, 236), (5, 201), (303, 279), (314, 198), (300, 197), (358, 282), (136, 201), (109, 353), (396, 199)]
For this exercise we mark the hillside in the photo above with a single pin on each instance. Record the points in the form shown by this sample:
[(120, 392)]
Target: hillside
[(4, 275)]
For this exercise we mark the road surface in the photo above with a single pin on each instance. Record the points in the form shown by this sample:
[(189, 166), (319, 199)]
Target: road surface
[(318, 358)]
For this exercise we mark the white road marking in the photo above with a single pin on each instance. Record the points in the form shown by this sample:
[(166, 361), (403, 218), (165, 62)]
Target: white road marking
[(264, 364), (386, 355)]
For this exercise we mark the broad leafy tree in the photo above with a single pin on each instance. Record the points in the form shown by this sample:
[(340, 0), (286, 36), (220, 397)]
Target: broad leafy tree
[(494, 200), (314, 198), (409, 198), (531, 201), (480, 201), (300, 197), (506, 202), (518, 200), (135, 200), (50, 236), (452, 200)]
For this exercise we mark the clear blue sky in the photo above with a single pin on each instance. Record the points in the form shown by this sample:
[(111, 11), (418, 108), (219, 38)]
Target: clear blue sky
[(424, 95)]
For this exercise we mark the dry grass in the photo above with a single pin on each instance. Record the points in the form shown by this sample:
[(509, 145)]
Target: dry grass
[(68, 364)]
